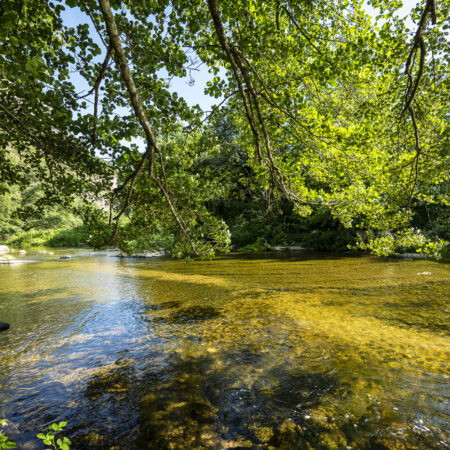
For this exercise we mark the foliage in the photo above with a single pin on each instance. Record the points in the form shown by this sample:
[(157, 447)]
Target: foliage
[(26, 219), (95, 224), (191, 192), (49, 437), (315, 93), (5, 443), (259, 245), (59, 237), (61, 443), (411, 239)]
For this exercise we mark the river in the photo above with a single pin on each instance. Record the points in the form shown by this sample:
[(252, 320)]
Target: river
[(289, 350)]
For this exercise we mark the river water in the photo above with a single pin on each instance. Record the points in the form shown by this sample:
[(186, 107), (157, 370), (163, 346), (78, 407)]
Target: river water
[(297, 350)]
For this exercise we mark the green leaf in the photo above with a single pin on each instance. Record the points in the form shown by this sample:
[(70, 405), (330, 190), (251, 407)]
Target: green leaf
[(34, 65)]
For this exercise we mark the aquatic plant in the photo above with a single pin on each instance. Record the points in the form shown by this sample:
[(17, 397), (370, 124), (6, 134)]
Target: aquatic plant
[(4, 440), (49, 438)]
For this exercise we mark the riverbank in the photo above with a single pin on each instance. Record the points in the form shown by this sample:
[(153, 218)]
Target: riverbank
[(79, 237), (54, 238)]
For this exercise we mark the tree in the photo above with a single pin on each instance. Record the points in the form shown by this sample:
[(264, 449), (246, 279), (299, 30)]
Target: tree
[(316, 92)]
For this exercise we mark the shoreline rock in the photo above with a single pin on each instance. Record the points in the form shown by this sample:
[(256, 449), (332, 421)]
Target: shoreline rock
[(17, 261), (4, 249), (4, 326), (410, 256), (148, 254)]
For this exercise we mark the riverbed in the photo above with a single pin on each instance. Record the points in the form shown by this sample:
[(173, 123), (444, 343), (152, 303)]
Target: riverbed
[(272, 350)]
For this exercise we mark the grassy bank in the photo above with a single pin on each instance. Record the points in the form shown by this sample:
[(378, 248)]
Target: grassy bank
[(59, 237)]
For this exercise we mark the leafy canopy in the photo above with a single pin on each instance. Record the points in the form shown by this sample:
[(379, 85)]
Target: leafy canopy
[(324, 111)]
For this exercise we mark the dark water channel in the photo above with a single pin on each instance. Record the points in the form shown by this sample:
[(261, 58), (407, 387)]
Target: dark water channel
[(307, 351)]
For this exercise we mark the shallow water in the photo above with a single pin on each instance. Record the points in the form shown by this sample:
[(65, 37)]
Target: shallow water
[(284, 351)]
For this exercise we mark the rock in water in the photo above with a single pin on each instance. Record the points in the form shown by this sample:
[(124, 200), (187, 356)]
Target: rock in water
[(65, 257), (4, 249), (4, 326)]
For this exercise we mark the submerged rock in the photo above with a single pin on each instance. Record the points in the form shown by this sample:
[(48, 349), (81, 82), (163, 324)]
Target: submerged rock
[(11, 260), (4, 326)]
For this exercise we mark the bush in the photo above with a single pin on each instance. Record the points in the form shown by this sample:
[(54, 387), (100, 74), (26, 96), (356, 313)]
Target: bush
[(49, 238)]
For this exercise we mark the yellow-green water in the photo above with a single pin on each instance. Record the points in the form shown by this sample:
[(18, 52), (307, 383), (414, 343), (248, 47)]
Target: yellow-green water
[(259, 351)]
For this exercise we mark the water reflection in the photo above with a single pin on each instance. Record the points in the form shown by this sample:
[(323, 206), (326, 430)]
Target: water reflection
[(308, 351)]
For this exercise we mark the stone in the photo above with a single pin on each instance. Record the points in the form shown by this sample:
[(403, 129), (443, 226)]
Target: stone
[(4, 249), (12, 261), (4, 326), (65, 257), (148, 254), (22, 252), (409, 256), (294, 248)]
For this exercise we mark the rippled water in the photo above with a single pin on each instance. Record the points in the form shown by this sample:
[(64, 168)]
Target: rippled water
[(294, 351)]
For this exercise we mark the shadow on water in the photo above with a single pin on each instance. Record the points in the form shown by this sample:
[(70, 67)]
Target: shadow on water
[(162, 305), (285, 255), (201, 401), (31, 295), (188, 315), (192, 403)]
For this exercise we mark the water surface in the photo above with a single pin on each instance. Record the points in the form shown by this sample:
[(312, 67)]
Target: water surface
[(260, 351)]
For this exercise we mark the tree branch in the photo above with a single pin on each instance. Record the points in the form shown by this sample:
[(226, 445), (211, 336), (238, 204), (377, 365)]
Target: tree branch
[(152, 145)]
